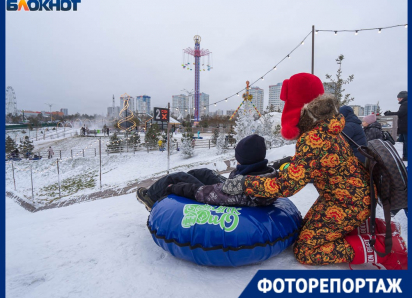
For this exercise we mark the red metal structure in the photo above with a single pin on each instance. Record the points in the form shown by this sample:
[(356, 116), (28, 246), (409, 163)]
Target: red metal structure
[(197, 53)]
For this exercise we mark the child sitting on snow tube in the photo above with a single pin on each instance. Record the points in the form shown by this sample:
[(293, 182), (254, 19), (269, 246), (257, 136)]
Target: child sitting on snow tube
[(220, 235), (206, 186)]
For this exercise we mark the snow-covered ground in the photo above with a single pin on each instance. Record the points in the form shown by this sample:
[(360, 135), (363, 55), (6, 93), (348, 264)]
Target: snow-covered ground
[(103, 248), (80, 175)]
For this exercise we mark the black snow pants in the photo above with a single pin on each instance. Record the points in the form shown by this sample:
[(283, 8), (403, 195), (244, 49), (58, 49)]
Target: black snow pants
[(198, 177)]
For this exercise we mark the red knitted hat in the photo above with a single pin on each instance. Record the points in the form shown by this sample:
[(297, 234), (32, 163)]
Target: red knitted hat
[(297, 91)]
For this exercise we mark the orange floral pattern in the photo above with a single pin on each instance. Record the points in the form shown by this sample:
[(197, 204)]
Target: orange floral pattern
[(342, 182), (330, 160), (296, 172), (313, 140)]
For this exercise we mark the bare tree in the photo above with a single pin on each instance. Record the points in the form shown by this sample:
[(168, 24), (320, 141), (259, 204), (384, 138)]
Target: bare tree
[(338, 83)]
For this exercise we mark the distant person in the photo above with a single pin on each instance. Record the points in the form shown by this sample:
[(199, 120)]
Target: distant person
[(372, 128), (50, 152), (402, 114), (160, 143), (108, 131), (353, 128)]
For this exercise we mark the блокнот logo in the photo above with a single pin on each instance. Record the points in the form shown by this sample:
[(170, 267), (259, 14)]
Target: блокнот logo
[(40, 5)]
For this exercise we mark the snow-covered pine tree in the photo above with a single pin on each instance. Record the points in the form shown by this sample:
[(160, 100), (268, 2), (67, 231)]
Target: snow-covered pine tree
[(267, 126), (215, 136), (10, 144), (221, 143), (186, 148), (134, 140), (152, 135), (114, 144), (246, 124), (27, 146)]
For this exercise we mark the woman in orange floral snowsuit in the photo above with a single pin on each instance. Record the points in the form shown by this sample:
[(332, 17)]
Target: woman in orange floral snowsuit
[(324, 156), (342, 182)]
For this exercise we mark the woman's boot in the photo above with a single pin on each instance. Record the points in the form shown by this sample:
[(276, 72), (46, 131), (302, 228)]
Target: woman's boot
[(364, 253)]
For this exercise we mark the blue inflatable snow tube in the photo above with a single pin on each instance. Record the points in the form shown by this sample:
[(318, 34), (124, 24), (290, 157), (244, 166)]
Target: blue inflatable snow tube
[(223, 236)]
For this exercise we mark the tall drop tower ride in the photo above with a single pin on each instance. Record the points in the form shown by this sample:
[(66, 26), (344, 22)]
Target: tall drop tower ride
[(197, 53)]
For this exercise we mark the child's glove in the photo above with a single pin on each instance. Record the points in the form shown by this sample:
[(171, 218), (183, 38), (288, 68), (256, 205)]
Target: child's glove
[(277, 163), (234, 186)]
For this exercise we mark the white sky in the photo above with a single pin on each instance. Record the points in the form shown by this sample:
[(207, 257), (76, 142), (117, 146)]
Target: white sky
[(78, 60)]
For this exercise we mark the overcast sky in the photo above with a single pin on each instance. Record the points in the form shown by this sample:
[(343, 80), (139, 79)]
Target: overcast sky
[(78, 60)]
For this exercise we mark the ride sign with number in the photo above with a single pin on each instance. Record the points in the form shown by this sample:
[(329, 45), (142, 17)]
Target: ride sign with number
[(161, 114)]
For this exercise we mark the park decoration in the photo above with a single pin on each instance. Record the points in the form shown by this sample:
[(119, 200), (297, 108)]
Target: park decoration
[(126, 115), (247, 99), (221, 235)]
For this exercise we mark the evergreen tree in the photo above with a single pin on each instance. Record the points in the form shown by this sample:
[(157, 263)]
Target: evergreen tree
[(378, 109), (27, 146), (10, 144), (215, 135), (186, 148), (337, 84), (134, 139), (152, 135), (114, 144)]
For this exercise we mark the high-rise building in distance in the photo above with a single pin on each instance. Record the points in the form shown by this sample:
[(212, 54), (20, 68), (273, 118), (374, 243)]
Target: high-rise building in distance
[(274, 97), (203, 104), (143, 104), (180, 106), (113, 113), (370, 109), (357, 110), (64, 111)]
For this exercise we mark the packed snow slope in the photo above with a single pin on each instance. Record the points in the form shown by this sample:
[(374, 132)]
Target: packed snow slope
[(103, 249)]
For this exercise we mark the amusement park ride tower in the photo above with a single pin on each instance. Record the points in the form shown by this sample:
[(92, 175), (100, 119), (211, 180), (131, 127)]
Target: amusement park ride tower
[(197, 53)]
